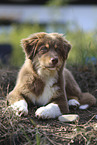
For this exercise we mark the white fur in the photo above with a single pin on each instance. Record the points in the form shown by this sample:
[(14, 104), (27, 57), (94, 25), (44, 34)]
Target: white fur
[(47, 94), (20, 107), (83, 107), (50, 111), (73, 102)]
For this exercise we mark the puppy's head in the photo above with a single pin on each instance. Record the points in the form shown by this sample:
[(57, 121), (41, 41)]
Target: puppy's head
[(46, 51)]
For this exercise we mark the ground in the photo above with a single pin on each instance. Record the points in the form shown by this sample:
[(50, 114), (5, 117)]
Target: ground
[(29, 130)]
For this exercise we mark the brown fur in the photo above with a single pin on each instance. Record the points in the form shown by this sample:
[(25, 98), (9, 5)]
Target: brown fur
[(42, 51)]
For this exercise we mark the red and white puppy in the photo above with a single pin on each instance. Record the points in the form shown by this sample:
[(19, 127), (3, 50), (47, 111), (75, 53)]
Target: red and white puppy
[(43, 79)]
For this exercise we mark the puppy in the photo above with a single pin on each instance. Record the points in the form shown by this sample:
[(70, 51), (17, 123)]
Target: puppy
[(43, 79)]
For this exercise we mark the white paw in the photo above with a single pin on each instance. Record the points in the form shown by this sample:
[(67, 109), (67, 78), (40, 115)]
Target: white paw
[(73, 102), (20, 108), (50, 111), (83, 107)]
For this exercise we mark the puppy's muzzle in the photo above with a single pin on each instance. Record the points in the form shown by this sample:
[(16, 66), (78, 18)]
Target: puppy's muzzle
[(54, 61)]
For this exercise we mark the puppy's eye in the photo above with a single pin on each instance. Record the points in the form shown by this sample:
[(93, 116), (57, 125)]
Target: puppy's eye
[(59, 51), (43, 49)]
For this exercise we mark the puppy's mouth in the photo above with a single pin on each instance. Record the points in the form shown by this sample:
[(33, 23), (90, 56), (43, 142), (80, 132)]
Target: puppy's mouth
[(51, 67), (53, 63)]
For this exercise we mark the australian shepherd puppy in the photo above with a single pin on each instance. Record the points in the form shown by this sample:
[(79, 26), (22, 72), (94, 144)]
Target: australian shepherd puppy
[(44, 80)]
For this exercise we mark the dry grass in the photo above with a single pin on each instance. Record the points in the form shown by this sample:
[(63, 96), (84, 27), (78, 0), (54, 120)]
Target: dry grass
[(29, 130)]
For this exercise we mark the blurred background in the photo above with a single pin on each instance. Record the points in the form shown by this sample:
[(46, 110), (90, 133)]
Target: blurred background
[(76, 19)]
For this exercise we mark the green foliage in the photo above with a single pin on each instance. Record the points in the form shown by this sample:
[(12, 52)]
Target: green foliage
[(84, 45), (17, 33), (57, 2), (37, 132)]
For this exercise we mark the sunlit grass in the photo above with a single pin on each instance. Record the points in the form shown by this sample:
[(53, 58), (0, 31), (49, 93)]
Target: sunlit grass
[(84, 45)]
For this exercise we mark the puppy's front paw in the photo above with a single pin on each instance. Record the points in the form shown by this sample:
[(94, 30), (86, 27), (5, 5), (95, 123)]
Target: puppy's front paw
[(41, 112), (20, 108), (50, 111), (73, 102)]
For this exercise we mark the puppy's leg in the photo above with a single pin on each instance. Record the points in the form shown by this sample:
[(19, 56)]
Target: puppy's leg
[(18, 103), (87, 100), (74, 93), (54, 109), (72, 89)]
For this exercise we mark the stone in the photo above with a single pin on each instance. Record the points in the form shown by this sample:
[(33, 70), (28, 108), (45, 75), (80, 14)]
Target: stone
[(68, 118)]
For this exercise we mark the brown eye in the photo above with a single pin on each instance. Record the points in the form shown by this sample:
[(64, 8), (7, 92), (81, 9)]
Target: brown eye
[(59, 51), (42, 50)]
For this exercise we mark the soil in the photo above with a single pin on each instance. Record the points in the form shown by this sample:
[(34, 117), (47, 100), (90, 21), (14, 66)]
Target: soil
[(30, 130)]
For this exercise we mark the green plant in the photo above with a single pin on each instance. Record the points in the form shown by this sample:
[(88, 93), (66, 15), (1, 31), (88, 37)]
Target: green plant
[(14, 37), (83, 50), (19, 32), (83, 46)]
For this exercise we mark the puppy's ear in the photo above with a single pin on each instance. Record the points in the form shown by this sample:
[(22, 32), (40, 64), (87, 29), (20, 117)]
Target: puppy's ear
[(67, 46), (29, 45)]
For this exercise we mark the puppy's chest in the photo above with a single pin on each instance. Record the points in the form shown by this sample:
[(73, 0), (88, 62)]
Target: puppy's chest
[(49, 91)]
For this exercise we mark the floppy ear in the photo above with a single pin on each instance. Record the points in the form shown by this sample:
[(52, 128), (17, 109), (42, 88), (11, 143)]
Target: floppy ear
[(29, 46), (67, 46)]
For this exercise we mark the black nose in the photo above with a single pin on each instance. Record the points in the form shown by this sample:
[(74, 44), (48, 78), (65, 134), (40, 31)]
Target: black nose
[(54, 61)]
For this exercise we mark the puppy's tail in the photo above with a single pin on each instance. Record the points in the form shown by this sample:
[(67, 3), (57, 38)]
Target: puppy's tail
[(89, 99)]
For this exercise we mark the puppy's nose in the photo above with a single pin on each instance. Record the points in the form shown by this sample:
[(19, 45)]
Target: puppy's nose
[(54, 61)]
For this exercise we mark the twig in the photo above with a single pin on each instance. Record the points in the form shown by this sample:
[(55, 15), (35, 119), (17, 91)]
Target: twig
[(2, 92), (2, 125), (6, 110), (51, 141), (84, 137), (7, 89), (68, 138), (48, 138), (26, 136), (89, 120)]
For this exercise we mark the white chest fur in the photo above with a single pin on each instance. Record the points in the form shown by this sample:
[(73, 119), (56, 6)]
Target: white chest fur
[(48, 93)]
